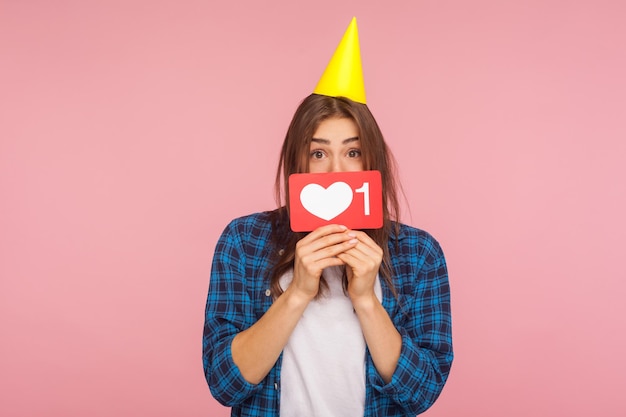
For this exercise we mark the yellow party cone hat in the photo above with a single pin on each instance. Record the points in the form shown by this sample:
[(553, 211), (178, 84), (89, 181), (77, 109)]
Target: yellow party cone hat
[(344, 75)]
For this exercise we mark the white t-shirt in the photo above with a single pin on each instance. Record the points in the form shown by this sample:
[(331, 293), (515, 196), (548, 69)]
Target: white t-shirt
[(323, 367)]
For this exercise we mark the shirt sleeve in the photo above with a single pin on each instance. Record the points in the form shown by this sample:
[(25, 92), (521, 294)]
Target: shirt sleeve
[(228, 311), (425, 325)]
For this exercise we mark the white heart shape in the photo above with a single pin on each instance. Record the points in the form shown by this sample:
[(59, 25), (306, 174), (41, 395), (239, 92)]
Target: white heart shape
[(326, 203)]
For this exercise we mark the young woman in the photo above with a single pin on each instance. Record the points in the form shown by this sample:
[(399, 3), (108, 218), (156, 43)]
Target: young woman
[(336, 322)]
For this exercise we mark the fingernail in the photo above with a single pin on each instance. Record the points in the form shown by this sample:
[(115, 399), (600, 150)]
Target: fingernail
[(352, 234), (343, 227), (353, 241)]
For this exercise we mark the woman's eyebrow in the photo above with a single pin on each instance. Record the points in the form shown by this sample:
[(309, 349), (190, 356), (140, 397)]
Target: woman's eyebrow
[(327, 142)]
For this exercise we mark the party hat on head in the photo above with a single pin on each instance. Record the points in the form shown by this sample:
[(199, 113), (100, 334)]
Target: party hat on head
[(344, 75)]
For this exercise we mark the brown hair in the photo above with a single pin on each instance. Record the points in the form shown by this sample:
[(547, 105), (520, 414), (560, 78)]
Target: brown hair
[(293, 159)]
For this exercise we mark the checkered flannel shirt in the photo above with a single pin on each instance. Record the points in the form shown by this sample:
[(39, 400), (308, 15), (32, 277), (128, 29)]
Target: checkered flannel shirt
[(239, 295)]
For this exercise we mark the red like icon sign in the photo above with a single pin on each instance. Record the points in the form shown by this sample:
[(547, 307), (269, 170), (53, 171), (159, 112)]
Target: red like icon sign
[(353, 199)]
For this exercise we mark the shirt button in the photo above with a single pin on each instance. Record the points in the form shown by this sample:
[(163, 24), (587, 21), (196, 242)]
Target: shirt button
[(276, 386), (268, 293)]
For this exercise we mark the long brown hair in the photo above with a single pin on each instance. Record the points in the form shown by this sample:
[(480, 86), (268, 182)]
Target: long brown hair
[(293, 159)]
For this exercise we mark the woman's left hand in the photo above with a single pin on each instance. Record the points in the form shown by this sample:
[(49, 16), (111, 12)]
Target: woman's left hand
[(362, 264), (383, 339)]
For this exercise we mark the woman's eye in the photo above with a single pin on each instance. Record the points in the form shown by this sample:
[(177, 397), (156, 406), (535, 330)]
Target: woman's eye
[(354, 153), (317, 154)]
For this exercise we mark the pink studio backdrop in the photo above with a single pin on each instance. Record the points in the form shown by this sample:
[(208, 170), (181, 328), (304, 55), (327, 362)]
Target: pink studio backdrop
[(131, 132)]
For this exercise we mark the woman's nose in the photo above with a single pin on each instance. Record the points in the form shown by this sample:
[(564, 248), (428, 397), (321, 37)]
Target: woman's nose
[(336, 165)]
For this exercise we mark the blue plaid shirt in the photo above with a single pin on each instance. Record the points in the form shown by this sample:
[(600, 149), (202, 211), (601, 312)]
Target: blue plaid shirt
[(239, 295)]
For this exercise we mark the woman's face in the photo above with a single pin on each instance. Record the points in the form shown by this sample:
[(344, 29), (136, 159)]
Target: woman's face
[(335, 147)]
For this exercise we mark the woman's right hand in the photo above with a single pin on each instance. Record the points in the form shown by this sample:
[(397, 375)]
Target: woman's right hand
[(316, 251), (256, 349)]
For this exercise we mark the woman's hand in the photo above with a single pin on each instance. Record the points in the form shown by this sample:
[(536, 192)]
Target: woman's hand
[(318, 250), (383, 339), (363, 262)]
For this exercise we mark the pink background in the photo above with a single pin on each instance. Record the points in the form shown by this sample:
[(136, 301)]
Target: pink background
[(131, 132)]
